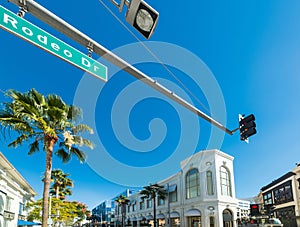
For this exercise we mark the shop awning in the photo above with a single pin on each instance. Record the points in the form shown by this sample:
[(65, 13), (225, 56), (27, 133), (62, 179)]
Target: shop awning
[(172, 188), (149, 217), (141, 218), (160, 216), (27, 223), (133, 219), (174, 214), (192, 212)]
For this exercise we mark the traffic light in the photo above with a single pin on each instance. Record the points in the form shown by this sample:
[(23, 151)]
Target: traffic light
[(254, 210), (142, 17), (247, 126)]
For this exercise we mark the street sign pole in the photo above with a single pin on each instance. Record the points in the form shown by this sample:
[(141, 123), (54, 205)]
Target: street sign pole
[(60, 25)]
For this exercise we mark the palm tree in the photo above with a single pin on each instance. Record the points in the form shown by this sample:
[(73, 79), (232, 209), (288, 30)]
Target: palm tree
[(61, 184), (44, 121), (154, 191), (122, 202)]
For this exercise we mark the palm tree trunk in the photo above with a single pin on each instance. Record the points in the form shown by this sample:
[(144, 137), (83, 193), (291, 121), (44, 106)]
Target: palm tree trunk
[(154, 211), (57, 192), (47, 179), (123, 214)]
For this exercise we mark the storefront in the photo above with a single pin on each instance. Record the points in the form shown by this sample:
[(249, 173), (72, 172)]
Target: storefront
[(227, 218), (161, 220), (193, 218), (175, 219)]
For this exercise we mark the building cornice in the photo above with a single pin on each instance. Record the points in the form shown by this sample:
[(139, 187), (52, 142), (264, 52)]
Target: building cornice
[(11, 170), (277, 181)]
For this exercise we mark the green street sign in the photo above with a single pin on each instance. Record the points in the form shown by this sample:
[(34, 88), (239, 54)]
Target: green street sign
[(35, 35)]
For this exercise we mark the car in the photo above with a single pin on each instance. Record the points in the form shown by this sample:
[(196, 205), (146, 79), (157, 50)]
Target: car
[(272, 222)]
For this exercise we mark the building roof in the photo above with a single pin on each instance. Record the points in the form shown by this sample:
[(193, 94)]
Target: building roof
[(280, 179), (203, 153)]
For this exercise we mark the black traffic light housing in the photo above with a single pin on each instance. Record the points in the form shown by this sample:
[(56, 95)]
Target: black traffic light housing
[(254, 210), (247, 127)]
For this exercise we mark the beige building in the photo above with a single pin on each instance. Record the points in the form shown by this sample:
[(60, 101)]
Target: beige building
[(14, 193), (281, 198), (201, 194)]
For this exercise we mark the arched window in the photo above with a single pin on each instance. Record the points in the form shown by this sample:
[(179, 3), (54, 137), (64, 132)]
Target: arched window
[(192, 184), (209, 183), (225, 181)]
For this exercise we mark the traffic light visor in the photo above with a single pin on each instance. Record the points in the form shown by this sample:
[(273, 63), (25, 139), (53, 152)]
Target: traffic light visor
[(247, 119)]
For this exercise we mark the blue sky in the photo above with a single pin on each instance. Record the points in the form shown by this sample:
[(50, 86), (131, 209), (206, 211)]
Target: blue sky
[(233, 56)]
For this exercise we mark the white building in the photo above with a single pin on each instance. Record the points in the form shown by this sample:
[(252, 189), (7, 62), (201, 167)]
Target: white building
[(243, 210), (14, 193), (201, 194)]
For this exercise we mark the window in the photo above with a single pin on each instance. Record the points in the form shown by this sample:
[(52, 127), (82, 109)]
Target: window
[(194, 221), (287, 215), (21, 208), (2, 198), (172, 191), (225, 181), (173, 196), (149, 203), (192, 184), (209, 183), (142, 205), (211, 221), (283, 193), (161, 202), (8, 203), (267, 198)]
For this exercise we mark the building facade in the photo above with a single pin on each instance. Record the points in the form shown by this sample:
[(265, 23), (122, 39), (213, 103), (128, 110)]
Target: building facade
[(281, 198), (201, 194), (15, 192), (105, 212), (243, 211)]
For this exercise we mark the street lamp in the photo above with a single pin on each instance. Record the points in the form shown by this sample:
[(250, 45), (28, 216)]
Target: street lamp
[(140, 15), (169, 210)]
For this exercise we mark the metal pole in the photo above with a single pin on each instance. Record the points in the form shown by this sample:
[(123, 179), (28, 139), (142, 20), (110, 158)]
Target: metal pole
[(169, 211), (52, 20)]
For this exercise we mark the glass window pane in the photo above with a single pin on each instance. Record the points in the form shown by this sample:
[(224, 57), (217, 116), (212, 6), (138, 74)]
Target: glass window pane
[(192, 184), (225, 181)]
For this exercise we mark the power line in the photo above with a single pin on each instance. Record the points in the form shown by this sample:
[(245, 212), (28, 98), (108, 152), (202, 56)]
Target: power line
[(154, 56)]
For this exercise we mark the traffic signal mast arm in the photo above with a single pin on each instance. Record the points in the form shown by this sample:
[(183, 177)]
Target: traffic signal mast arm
[(60, 25)]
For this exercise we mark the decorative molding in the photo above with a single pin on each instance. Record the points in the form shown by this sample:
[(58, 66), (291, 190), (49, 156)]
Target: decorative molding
[(21, 217), (211, 208), (208, 163), (8, 215)]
